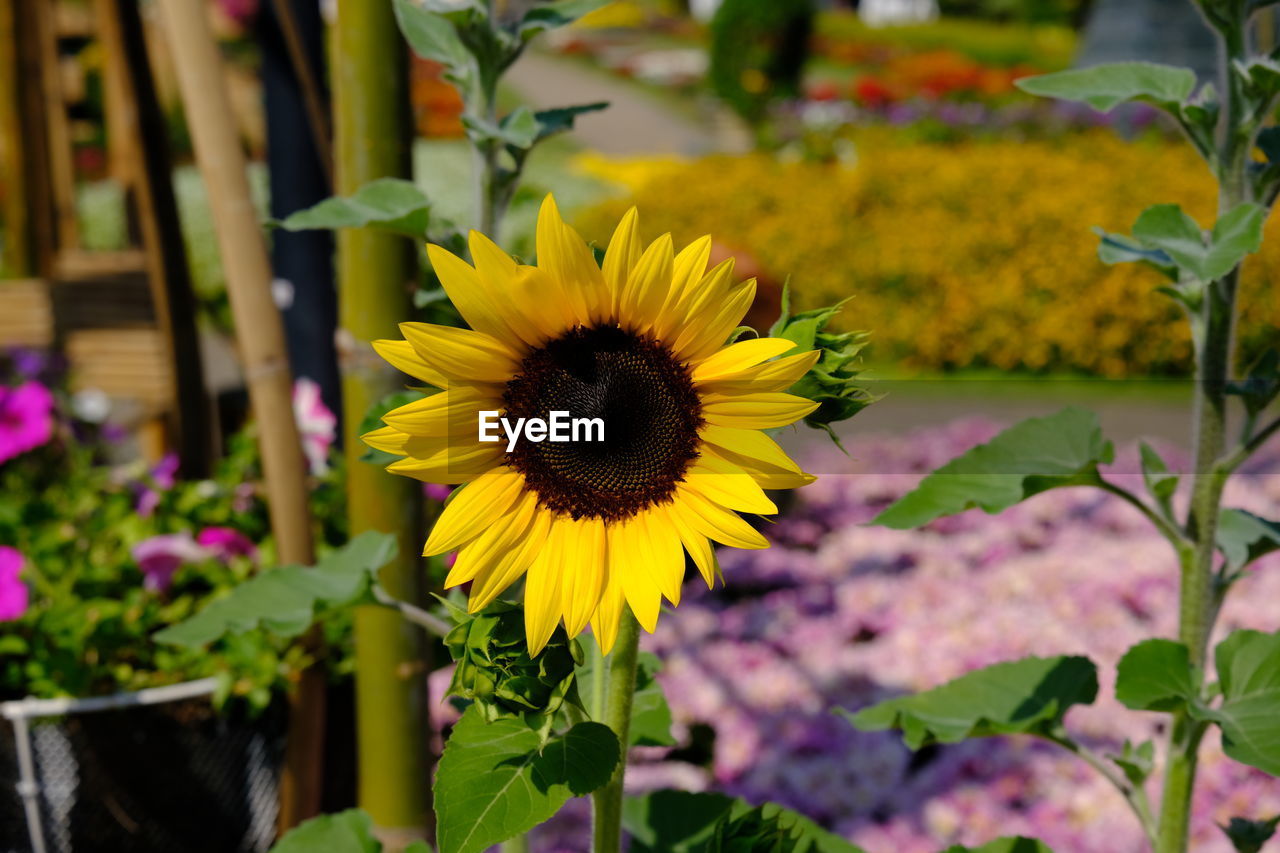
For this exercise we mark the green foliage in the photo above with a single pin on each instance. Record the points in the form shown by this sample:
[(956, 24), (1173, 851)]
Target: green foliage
[(650, 714), (350, 831), (1244, 537), (1136, 762), (497, 780), (1028, 696), (1159, 480), (1167, 228), (495, 671), (1248, 836), (387, 204), (758, 53), (285, 600), (1249, 715), (685, 822), (834, 380), (1103, 87), (1064, 449), (77, 522), (1004, 845), (1260, 387), (1155, 675)]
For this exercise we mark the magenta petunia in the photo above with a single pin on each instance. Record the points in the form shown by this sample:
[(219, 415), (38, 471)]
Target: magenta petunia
[(14, 595), (159, 557), (226, 543), (26, 418)]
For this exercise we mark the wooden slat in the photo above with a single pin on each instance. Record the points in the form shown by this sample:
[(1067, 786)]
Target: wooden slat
[(26, 313), (126, 363)]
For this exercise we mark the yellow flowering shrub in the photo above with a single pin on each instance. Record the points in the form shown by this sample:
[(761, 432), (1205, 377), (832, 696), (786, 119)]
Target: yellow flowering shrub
[(974, 254)]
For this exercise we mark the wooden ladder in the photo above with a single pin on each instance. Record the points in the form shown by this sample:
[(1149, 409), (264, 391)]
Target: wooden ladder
[(124, 319)]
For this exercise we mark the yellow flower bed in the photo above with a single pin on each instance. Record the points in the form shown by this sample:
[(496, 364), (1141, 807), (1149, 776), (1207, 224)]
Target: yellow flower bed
[(976, 254)]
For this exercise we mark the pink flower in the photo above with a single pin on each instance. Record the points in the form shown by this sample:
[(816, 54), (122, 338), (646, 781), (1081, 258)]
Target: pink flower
[(26, 418), (163, 477), (14, 595), (317, 426), (161, 556), (226, 543), (436, 492)]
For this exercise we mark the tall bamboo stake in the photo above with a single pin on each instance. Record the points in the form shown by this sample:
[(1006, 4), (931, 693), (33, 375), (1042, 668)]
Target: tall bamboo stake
[(262, 349), (370, 84)]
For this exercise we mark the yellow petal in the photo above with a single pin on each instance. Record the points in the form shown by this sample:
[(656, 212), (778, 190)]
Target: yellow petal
[(626, 562), (750, 443), (662, 553), (716, 523), (582, 570), (449, 463), (452, 413), (468, 294), (711, 290), (755, 411), (621, 257), (403, 357), (494, 543), (471, 509), (728, 485), (387, 439), (766, 476), (771, 376), (708, 331), (501, 278), (689, 268), (647, 286), (493, 579), (604, 622), (565, 256), (462, 354), (740, 356), (697, 545), (542, 588)]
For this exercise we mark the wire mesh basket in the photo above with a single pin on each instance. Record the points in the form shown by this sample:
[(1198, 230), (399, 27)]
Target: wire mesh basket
[(158, 770)]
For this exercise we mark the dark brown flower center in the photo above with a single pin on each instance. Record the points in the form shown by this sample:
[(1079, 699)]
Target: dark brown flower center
[(649, 407)]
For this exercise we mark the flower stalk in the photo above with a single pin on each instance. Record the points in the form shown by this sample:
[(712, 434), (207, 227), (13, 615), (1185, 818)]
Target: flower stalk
[(606, 803)]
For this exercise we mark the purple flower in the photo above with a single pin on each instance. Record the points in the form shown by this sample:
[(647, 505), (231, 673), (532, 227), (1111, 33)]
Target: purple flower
[(316, 425), (26, 419), (14, 595), (436, 492), (226, 543), (162, 478), (161, 556)]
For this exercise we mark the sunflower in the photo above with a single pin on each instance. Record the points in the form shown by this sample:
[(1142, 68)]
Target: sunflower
[(638, 342)]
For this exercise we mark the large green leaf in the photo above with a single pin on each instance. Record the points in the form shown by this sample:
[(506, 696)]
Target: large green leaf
[(284, 600), (497, 780), (1004, 845), (1028, 696), (345, 832), (685, 822), (388, 204), (1249, 716), (1104, 86), (1169, 229), (1244, 537), (1038, 454), (1155, 675)]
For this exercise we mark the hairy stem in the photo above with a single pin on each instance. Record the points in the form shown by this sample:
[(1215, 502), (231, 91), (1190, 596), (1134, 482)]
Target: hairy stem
[(606, 803)]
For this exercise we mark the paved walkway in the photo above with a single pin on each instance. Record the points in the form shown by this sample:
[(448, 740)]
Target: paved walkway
[(636, 122)]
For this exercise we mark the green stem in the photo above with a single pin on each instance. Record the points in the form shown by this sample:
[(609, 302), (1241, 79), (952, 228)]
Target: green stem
[(606, 803)]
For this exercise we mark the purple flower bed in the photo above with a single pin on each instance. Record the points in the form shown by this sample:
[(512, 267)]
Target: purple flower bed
[(840, 614)]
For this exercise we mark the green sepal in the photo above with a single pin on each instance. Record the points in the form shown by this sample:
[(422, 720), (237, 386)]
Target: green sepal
[(1248, 836)]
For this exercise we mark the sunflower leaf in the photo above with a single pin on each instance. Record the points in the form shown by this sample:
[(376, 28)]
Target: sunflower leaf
[(387, 204), (1155, 675), (285, 600), (1248, 664), (497, 780), (350, 831), (685, 822), (1244, 537), (1028, 696), (1038, 454), (1103, 87)]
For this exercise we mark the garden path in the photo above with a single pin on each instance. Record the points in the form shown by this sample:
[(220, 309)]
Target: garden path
[(636, 123)]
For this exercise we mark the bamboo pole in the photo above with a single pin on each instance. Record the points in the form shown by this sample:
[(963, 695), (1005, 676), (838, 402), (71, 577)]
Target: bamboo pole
[(371, 124), (260, 332), (15, 251)]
